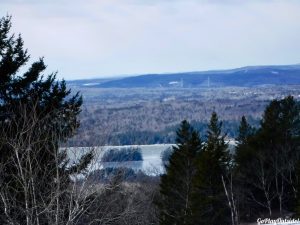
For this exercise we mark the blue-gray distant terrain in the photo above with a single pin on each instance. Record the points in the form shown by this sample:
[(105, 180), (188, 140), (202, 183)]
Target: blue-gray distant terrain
[(242, 77)]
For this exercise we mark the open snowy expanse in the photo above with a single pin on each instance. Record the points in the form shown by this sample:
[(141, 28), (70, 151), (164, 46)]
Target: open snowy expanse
[(151, 164)]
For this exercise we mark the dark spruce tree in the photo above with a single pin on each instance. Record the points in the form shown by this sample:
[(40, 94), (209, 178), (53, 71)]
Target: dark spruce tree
[(245, 131), (37, 114), (210, 203), (243, 150), (176, 186)]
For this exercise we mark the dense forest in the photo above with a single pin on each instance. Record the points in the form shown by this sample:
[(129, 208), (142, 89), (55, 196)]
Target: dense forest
[(151, 116)]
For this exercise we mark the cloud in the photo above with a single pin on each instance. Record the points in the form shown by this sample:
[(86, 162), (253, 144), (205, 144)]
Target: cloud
[(99, 37)]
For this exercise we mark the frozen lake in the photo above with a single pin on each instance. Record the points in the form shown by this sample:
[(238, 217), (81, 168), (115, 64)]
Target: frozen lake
[(151, 164)]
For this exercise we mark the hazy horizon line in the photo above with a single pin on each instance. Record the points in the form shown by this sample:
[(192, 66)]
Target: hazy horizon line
[(118, 76)]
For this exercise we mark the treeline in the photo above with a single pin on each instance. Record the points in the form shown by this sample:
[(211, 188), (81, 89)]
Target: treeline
[(151, 121), (205, 184), (124, 174), (166, 136), (122, 155)]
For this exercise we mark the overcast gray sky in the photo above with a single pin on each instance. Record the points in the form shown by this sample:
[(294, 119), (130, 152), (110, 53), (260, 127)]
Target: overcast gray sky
[(100, 38)]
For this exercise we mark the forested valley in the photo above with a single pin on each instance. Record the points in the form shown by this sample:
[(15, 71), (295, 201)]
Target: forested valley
[(151, 116)]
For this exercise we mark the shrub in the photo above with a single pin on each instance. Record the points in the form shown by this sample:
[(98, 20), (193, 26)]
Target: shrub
[(166, 154)]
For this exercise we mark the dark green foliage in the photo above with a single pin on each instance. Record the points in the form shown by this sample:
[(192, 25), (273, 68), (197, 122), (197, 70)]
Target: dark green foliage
[(244, 132), (267, 159), (176, 186), (122, 155), (37, 114), (210, 201), (242, 165), (244, 137)]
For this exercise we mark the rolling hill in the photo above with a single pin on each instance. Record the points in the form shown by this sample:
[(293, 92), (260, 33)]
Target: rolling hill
[(242, 77)]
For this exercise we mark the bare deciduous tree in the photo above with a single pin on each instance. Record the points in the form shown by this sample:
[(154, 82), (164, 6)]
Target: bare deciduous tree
[(35, 190)]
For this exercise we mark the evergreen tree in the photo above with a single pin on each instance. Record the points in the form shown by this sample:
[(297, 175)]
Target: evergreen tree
[(210, 201), (37, 114), (176, 186), (245, 131), (242, 149), (266, 161)]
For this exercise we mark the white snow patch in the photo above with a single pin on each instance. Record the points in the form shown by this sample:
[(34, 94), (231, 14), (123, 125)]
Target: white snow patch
[(90, 84)]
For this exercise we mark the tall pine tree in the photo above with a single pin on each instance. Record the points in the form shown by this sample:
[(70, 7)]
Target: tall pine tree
[(245, 131), (176, 186), (242, 149), (210, 201)]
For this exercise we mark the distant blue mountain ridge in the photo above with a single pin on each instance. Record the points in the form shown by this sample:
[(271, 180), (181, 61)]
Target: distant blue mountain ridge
[(249, 76)]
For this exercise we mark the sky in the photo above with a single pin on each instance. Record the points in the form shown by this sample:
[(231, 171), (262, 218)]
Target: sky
[(106, 38)]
